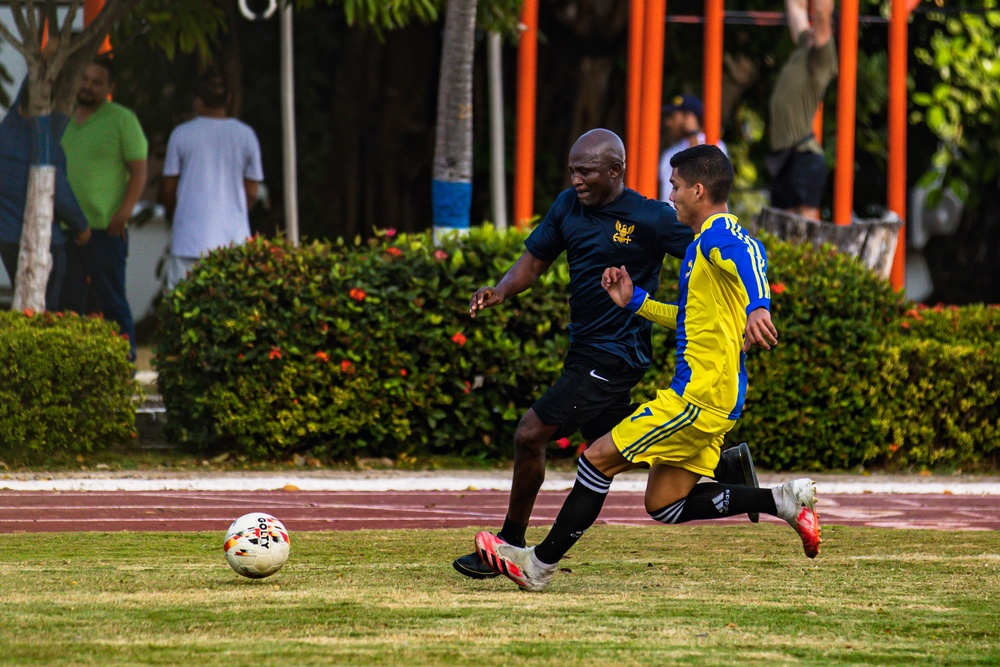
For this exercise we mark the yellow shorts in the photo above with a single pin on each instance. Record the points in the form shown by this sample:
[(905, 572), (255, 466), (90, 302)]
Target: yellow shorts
[(670, 431)]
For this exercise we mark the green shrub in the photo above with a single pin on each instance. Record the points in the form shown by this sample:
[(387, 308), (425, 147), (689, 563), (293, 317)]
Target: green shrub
[(65, 387), (945, 405), (367, 349), (356, 349), (965, 325)]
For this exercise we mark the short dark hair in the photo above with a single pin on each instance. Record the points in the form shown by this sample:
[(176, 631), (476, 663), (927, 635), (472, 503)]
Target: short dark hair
[(108, 63), (708, 165), (213, 91)]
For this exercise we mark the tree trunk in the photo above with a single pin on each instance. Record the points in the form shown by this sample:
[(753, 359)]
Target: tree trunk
[(34, 262), (872, 242), (452, 187)]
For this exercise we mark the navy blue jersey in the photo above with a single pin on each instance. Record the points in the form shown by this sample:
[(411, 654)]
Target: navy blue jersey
[(632, 231)]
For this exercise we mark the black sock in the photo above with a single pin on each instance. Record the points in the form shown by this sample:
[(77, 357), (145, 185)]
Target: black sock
[(579, 512), (512, 533), (714, 501)]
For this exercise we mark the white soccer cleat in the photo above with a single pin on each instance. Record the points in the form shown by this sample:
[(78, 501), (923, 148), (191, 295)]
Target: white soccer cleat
[(796, 502), (516, 563)]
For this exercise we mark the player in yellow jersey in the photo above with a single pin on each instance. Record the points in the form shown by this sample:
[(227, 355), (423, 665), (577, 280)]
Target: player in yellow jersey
[(722, 310)]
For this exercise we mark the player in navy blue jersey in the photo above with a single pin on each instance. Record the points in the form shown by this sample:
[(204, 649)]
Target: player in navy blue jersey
[(598, 223)]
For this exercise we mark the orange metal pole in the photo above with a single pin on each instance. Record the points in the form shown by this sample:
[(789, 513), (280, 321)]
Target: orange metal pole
[(843, 185), (712, 76), (652, 96), (818, 118), (818, 124), (896, 196), (633, 92), (91, 8), (524, 147)]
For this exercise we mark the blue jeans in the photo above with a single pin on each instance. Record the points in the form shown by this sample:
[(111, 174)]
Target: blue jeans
[(9, 254), (100, 265)]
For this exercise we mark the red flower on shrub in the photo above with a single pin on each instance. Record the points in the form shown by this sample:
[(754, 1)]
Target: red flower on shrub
[(325, 327), (346, 366), (458, 338), (468, 386), (275, 353), (778, 288), (390, 233), (893, 448), (394, 251), (29, 312), (322, 356), (563, 443), (357, 294), (580, 449), (402, 372), (915, 314), (440, 255), (906, 325)]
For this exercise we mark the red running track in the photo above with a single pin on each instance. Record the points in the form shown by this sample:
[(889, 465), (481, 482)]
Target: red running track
[(47, 511)]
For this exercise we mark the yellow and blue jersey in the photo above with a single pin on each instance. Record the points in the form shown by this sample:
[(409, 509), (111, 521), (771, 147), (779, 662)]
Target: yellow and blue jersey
[(723, 279)]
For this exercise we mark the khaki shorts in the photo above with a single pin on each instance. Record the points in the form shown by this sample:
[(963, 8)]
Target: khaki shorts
[(670, 431)]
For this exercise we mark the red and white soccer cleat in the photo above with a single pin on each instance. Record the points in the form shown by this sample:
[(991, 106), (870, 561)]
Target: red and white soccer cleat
[(796, 504), (516, 563)]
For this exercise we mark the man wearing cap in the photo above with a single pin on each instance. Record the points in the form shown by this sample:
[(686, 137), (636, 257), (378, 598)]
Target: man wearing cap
[(682, 121)]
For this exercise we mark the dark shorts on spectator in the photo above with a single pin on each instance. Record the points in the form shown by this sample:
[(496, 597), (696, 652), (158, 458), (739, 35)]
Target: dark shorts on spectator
[(801, 181)]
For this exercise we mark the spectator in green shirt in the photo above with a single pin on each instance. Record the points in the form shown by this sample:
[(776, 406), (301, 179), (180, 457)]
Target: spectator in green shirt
[(106, 154)]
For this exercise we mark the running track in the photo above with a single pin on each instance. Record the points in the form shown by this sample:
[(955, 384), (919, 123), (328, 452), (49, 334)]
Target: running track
[(178, 510)]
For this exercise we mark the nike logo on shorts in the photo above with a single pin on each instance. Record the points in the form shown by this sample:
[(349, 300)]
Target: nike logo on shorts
[(594, 374)]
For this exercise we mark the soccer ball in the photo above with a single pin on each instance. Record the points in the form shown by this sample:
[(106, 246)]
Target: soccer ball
[(256, 545)]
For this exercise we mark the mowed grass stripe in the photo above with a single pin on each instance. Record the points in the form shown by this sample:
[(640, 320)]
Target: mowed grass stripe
[(698, 595)]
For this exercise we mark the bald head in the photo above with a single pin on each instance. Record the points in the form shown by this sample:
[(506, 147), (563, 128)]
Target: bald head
[(601, 144), (596, 167)]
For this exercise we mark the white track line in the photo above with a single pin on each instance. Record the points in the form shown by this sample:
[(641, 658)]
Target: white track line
[(441, 483)]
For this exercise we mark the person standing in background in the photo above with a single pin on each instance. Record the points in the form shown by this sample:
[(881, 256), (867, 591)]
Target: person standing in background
[(210, 180), (682, 119), (796, 163), (16, 149), (106, 152)]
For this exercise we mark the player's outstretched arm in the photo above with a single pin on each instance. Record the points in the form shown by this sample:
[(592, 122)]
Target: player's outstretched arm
[(618, 284), (518, 278), (760, 330)]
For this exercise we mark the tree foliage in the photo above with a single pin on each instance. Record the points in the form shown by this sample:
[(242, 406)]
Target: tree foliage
[(962, 106)]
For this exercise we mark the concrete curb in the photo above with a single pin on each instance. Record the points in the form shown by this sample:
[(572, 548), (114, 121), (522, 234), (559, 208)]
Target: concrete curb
[(452, 481)]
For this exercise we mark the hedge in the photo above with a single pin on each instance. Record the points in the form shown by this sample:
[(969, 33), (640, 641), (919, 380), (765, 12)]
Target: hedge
[(357, 349), (66, 387), (363, 349)]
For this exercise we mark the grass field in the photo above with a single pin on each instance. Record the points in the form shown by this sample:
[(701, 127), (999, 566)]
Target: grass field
[(701, 595)]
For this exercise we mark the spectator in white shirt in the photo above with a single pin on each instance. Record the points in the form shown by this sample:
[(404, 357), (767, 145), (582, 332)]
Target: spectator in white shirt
[(682, 119), (210, 180)]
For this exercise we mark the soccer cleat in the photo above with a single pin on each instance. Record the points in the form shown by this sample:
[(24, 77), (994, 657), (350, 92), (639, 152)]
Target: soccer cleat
[(516, 563), (736, 467), (472, 566), (795, 502)]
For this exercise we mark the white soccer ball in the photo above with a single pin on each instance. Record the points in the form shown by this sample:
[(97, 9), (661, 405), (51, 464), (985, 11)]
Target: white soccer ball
[(256, 545)]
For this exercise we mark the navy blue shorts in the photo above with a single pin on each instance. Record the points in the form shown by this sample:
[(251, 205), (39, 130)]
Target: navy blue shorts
[(801, 181), (592, 395)]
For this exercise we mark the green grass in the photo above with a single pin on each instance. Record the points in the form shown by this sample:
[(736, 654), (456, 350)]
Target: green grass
[(704, 595)]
